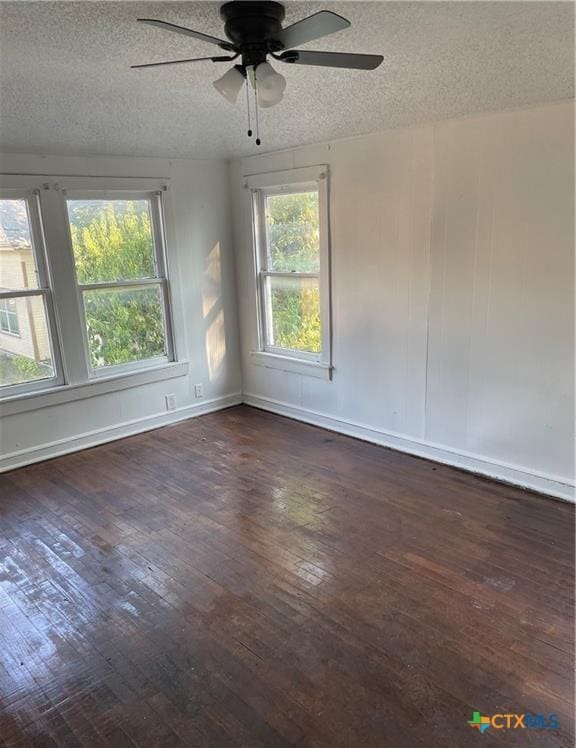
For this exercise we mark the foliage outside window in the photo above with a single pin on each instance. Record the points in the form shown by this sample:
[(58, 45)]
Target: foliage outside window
[(292, 243), (122, 290)]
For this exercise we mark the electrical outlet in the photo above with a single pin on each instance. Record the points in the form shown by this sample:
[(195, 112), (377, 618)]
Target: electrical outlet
[(198, 390), (170, 402)]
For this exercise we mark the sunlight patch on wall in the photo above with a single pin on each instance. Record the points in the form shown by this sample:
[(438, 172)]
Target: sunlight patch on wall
[(212, 285), (216, 346)]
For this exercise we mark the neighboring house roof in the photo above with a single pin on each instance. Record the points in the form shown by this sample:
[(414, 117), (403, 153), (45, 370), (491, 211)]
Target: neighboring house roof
[(14, 231)]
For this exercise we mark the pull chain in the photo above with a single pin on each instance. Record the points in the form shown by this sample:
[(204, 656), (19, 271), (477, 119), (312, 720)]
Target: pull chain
[(248, 106), (256, 109)]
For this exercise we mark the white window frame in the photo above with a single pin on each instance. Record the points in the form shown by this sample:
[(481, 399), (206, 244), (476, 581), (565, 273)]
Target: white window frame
[(44, 289), (160, 280), (262, 186), (52, 245)]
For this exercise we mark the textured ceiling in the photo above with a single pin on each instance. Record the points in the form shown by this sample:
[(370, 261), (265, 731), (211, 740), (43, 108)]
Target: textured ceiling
[(66, 86)]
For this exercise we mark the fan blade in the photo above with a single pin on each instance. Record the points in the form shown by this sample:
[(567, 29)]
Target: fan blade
[(332, 59), (179, 62), (222, 43), (313, 27)]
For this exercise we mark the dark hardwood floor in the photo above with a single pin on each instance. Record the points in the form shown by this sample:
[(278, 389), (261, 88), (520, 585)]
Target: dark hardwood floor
[(243, 579)]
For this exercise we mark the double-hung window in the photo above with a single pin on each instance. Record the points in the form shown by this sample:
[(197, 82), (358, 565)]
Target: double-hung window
[(290, 215), (84, 294), (119, 259), (29, 356)]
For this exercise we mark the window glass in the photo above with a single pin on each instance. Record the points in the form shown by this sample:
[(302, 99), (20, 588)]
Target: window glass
[(111, 239), (25, 346), (113, 245), (17, 264), (292, 232), (9, 317), (25, 352), (124, 324), (289, 265), (294, 305)]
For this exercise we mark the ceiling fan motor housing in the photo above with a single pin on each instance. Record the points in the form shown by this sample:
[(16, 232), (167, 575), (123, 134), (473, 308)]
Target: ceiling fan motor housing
[(252, 28)]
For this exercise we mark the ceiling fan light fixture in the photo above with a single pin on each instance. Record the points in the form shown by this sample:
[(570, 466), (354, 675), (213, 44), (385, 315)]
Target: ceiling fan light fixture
[(270, 85), (267, 104), (229, 84)]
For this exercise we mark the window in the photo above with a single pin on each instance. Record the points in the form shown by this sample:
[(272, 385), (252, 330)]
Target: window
[(119, 261), (9, 317), (292, 263), (84, 294), (27, 325)]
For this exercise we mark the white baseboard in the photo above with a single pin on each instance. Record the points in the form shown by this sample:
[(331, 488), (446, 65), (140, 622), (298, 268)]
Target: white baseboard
[(111, 433), (552, 485)]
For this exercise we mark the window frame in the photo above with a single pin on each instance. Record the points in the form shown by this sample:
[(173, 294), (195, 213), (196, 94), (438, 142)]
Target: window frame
[(51, 237), (287, 182), (159, 280), (44, 289)]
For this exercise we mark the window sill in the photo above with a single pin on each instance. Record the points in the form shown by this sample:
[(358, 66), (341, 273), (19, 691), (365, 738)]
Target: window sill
[(69, 392), (316, 369)]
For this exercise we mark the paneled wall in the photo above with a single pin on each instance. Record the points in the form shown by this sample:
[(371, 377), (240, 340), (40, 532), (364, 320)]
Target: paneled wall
[(453, 293)]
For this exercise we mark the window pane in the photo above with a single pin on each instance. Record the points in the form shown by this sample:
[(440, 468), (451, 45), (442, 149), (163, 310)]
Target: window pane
[(25, 354), (294, 305), (124, 324), (9, 317), (111, 239), (292, 232), (17, 264)]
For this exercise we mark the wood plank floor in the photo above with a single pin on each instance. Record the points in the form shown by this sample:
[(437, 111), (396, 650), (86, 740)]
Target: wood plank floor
[(245, 580)]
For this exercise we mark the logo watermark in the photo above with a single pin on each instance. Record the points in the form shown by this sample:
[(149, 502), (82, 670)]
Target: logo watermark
[(525, 721)]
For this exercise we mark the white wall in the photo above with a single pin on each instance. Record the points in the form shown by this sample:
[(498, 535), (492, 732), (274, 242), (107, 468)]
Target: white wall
[(453, 293), (204, 303), (453, 298)]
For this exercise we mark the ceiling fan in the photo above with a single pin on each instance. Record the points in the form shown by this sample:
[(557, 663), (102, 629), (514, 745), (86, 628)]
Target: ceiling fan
[(254, 31)]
